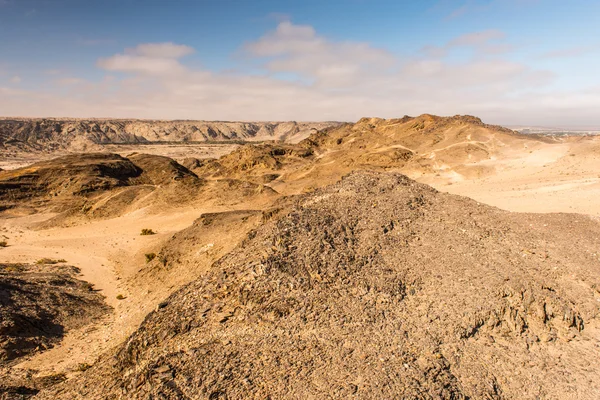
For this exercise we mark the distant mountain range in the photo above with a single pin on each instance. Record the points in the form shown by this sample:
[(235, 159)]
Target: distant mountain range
[(541, 130), (49, 134)]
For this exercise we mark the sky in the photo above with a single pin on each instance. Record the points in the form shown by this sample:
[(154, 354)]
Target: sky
[(509, 62)]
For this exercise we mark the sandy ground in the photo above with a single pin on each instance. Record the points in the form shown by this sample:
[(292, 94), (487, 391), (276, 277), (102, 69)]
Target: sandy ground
[(175, 151), (556, 178), (107, 252)]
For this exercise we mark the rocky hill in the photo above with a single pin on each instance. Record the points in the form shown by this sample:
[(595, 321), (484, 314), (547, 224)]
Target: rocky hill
[(67, 181), (104, 185), (39, 304), (376, 287), (423, 145), (418, 146), (267, 283), (427, 148), (50, 135)]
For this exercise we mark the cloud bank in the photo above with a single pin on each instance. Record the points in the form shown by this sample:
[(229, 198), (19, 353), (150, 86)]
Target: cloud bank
[(305, 76)]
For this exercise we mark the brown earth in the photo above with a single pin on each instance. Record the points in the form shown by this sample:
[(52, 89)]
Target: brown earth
[(202, 209), (376, 287), (71, 175), (459, 155)]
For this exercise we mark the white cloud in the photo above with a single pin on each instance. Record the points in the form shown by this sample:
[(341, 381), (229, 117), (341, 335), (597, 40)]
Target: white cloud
[(163, 50), (15, 79), (570, 52), (340, 81), (150, 58), (133, 63), (70, 81), (298, 49), (477, 38), (488, 42)]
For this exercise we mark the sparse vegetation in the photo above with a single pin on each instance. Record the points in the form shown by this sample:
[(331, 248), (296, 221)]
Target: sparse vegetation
[(13, 267), (83, 367), (45, 260), (327, 242), (350, 260), (50, 261), (3, 243), (163, 260)]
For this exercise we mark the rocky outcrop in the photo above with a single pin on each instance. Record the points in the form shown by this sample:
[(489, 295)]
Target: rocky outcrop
[(39, 303), (375, 287), (77, 182)]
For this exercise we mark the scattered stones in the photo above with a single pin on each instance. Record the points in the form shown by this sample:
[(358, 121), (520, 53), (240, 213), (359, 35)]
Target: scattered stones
[(342, 308)]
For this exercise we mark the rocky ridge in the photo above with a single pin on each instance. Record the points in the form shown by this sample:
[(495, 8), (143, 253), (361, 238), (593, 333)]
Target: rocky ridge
[(373, 287), (87, 186), (376, 287), (52, 135), (69, 181)]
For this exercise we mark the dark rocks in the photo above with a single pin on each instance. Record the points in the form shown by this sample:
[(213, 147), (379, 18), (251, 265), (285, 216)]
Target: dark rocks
[(38, 304), (320, 302)]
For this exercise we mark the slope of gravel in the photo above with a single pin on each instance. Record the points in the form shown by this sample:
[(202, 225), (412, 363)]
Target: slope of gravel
[(376, 287), (39, 304)]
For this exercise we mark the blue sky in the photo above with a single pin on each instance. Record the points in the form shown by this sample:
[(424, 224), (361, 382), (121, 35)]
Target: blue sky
[(512, 62)]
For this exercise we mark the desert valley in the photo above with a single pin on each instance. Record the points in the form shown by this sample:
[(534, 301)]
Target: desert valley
[(299, 200), (418, 257)]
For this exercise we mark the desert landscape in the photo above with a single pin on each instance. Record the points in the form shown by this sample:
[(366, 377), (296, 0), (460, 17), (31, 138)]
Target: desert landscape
[(414, 257), (299, 200)]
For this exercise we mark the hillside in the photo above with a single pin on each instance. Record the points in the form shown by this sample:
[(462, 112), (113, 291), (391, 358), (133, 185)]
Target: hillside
[(375, 252), (376, 287), (459, 154), (103, 185), (78, 181), (419, 146)]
